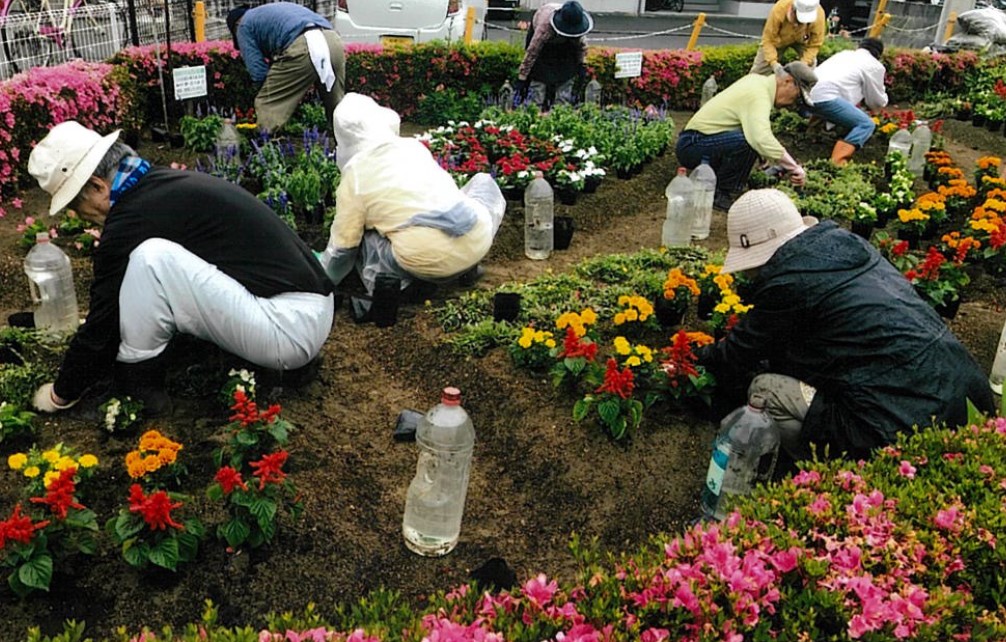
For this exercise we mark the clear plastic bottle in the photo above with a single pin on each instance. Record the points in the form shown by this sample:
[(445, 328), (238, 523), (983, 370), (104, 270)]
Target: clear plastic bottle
[(539, 218), (677, 230), (50, 278), (922, 140), (709, 89), (592, 93), (506, 95), (704, 184), (901, 142), (435, 501), (744, 454), (228, 141), (998, 373)]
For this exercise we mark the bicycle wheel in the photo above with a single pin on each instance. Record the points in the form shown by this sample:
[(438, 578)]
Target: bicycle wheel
[(97, 29), (22, 29)]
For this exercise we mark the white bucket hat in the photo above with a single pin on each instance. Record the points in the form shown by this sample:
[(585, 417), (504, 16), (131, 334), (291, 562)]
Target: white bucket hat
[(758, 224), (64, 160), (806, 10)]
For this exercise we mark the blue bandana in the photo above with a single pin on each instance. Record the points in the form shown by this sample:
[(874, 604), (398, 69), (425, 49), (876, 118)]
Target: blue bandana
[(130, 171)]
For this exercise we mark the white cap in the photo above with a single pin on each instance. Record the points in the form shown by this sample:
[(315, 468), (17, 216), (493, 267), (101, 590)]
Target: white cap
[(758, 224), (806, 10), (64, 160)]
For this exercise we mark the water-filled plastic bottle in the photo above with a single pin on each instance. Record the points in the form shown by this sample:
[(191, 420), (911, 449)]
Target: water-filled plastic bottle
[(998, 373), (704, 184), (744, 454), (228, 143), (50, 278), (901, 141), (922, 140), (678, 224), (506, 95), (539, 218), (435, 501), (592, 93), (709, 89)]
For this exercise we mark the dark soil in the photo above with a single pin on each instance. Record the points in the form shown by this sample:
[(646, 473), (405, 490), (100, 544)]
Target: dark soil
[(537, 477)]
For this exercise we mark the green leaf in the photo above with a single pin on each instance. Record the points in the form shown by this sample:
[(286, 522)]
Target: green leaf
[(36, 573), (126, 526), (279, 431), (581, 408), (188, 544), (609, 409), (165, 553), (235, 532), (87, 544), (264, 511), (135, 553), (215, 492), (86, 519)]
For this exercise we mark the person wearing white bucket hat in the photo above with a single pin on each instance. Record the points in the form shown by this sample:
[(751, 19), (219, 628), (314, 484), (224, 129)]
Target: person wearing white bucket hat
[(554, 51), (837, 341), (797, 24), (180, 252)]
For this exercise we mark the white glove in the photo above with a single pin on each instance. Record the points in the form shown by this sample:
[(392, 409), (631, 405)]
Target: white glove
[(45, 400), (777, 67), (797, 175)]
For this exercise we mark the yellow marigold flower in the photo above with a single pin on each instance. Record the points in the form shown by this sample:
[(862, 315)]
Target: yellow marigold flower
[(645, 308), (888, 128), (631, 315), (645, 352), (51, 455), (151, 463), (619, 318), (724, 281), (740, 308), (525, 341), (732, 299), (986, 162), (622, 345), (722, 308), (625, 299), (32, 471), (699, 338), (49, 477), (87, 461), (136, 470), (132, 457), (167, 456), (148, 441), (64, 462), (565, 319), (17, 461), (550, 343), (633, 361), (711, 268), (588, 316)]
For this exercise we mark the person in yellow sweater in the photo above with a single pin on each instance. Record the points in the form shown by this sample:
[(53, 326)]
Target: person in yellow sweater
[(799, 24), (733, 130)]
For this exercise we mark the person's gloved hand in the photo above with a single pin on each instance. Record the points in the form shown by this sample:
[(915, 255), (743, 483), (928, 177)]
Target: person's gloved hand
[(519, 91), (45, 400), (777, 66), (798, 176)]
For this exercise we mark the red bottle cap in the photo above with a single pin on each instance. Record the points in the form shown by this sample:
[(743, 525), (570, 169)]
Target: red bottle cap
[(451, 396)]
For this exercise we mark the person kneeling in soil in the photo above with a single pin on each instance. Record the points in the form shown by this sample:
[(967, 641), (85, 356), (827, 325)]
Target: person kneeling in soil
[(843, 81), (181, 252), (398, 212), (734, 128), (841, 347)]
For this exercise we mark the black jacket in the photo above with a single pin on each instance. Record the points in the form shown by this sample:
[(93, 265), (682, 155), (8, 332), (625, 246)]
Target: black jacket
[(831, 311)]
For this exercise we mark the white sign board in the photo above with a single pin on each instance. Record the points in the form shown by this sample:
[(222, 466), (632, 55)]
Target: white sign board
[(628, 64), (190, 82)]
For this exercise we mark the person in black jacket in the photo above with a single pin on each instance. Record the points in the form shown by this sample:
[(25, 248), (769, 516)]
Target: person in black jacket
[(180, 252), (840, 345)]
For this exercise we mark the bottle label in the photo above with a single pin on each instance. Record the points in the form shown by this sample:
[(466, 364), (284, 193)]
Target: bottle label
[(718, 465)]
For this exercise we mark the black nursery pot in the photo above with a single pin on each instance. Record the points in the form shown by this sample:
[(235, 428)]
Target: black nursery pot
[(667, 311), (563, 229), (706, 305), (862, 229), (977, 119), (506, 306)]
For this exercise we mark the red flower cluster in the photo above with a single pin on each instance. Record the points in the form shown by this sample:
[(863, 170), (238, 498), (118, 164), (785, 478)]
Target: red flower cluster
[(269, 469), (229, 479), (59, 495), (19, 528), (155, 508), (680, 360), (929, 269), (900, 248), (617, 382), (574, 347), (246, 411)]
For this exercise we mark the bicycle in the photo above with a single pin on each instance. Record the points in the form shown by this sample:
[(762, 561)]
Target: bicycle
[(40, 32), (661, 5)]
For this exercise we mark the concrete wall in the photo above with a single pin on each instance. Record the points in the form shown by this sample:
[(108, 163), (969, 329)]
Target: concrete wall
[(909, 22)]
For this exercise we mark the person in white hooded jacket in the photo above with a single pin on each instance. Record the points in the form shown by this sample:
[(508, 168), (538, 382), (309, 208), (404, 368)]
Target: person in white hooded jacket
[(398, 212)]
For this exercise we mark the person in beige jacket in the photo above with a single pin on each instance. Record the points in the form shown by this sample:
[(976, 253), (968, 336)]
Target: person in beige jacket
[(398, 212), (799, 24)]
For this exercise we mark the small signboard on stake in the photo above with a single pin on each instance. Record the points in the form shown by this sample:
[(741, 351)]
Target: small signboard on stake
[(190, 82), (628, 64)]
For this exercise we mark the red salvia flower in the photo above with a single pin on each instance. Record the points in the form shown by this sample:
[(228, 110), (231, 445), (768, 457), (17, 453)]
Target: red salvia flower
[(574, 347), (229, 479), (681, 360), (900, 248), (59, 495), (617, 382), (155, 508), (246, 411), (269, 469), (19, 528)]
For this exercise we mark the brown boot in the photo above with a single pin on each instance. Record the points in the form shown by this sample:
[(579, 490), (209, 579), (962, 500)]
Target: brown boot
[(842, 152)]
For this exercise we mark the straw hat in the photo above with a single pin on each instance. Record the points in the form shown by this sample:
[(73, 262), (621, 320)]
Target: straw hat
[(571, 20), (758, 224), (64, 160), (806, 10)]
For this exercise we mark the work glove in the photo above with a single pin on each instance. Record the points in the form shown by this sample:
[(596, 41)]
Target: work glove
[(797, 175), (45, 400), (777, 67)]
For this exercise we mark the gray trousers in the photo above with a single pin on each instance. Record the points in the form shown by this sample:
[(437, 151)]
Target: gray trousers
[(291, 75), (563, 92), (787, 401)]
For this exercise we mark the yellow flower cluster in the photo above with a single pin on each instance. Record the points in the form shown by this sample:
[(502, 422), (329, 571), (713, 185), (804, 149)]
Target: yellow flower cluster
[(987, 217), (931, 202), (247, 125), (914, 214), (529, 336), (957, 187), (635, 355), (154, 451), (986, 162), (49, 463), (578, 322), (950, 172), (731, 304), (887, 128), (678, 279), (997, 181), (701, 338), (636, 309)]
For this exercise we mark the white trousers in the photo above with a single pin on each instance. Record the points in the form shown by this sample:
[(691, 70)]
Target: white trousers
[(167, 290)]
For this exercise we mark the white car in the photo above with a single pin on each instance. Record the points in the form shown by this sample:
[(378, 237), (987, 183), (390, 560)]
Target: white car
[(396, 22)]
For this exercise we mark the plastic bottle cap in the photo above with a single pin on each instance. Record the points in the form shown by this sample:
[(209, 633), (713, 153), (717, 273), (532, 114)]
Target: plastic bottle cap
[(451, 396), (41, 237), (682, 171), (757, 402), (538, 174)]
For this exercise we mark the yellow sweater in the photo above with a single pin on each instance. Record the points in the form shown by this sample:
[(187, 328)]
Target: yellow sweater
[(745, 105), (780, 33)]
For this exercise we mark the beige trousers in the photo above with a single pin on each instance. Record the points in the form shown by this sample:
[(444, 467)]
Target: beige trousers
[(291, 75), (787, 401)]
